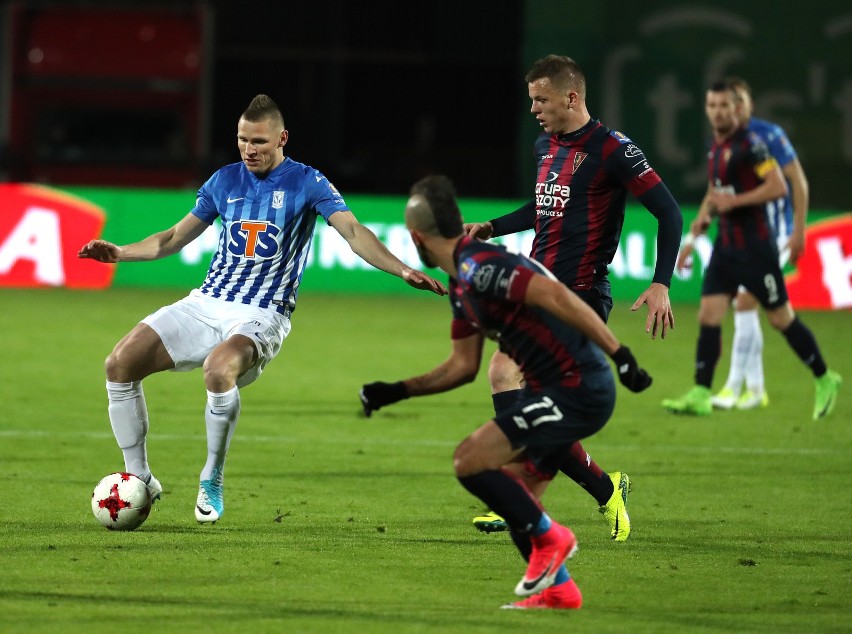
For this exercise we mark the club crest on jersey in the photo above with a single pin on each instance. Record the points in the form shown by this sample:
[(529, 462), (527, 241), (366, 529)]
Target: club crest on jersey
[(475, 275), (277, 200), (620, 137), (253, 239), (579, 157)]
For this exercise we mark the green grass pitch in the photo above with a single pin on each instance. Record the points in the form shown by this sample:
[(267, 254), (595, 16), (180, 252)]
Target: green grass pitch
[(336, 523)]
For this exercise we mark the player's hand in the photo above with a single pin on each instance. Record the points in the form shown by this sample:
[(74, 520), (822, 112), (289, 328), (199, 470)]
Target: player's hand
[(796, 246), (376, 395), (660, 313), (479, 230), (630, 374), (419, 280), (720, 202), (100, 250), (684, 258)]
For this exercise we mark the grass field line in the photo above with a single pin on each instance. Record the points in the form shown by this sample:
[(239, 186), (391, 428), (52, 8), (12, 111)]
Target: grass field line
[(426, 442)]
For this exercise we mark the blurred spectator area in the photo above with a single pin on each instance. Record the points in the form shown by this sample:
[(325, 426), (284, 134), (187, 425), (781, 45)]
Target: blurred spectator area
[(148, 94), (104, 94)]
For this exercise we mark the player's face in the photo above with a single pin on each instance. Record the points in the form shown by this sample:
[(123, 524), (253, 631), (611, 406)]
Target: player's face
[(721, 112), (550, 106), (744, 105), (260, 144)]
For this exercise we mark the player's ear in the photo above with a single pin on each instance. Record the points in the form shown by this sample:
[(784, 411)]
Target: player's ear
[(282, 141)]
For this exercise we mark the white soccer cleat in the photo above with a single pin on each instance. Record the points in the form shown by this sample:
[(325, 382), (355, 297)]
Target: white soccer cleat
[(154, 488), (210, 504), (725, 399), (752, 400)]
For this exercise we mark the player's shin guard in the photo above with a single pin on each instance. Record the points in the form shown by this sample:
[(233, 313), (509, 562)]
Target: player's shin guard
[(128, 416), (220, 417), (505, 496), (707, 354), (802, 341), (580, 467), (746, 328)]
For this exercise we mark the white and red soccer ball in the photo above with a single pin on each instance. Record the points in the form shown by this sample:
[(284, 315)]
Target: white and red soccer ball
[(121, 501)]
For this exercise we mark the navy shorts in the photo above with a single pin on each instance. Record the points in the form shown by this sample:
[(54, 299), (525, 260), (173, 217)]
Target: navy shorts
[(545, 423), (599, 297), (756, 268)]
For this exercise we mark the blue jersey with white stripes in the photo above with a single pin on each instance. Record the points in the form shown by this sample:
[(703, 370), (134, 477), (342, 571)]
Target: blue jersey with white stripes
[(780, 211), (267, 226)]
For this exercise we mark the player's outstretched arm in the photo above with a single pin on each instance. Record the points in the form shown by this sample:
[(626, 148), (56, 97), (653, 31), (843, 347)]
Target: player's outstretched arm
[(369, 248), (459, 368), (154, 247), (561, 302)]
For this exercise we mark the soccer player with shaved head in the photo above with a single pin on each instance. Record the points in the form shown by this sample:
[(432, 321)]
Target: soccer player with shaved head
[(560, 343), (234, 324)]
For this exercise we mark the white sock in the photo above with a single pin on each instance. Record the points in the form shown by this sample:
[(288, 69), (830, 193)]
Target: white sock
[(754, 364), (128, 416), (745, 322), (220, 415)]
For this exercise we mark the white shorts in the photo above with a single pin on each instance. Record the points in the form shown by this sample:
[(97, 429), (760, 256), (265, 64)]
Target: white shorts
[(191, 327)]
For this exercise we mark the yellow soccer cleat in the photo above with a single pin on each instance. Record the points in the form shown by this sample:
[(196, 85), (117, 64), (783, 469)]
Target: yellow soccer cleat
[(615, 510), (490, 523)]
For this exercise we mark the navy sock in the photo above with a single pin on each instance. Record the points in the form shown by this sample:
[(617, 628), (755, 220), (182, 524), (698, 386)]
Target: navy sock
[(506, 497), (803, 343), (707, 354), (505, 400)]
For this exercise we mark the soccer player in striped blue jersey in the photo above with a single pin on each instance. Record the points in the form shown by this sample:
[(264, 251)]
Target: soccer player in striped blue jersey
[(559, 342), (233, 325)]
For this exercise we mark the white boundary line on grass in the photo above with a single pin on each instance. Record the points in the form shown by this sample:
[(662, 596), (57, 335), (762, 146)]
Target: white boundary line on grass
[(796, 451)]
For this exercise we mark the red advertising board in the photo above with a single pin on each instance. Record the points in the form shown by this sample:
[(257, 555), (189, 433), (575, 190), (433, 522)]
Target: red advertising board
[(41, 230), (823, 276)]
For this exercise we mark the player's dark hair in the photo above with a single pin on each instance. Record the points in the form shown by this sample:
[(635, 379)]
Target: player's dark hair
[(561, 70), (738, 83), (723, 85), (263, 107), (439, 192)]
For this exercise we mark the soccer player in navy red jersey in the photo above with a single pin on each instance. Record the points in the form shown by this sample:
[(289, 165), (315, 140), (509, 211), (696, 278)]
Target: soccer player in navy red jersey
[(559, 343), (235, 323), (742, 178), (584, 173), (787, 216)]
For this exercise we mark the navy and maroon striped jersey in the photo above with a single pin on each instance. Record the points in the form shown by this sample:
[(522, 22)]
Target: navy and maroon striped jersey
[(487, 296), (580, 195), (735, 165)]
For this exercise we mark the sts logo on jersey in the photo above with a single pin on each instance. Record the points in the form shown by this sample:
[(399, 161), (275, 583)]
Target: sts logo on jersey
[(253, 239)]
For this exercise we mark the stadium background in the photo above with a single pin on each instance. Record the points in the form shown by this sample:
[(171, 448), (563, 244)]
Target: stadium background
[(102, 100)]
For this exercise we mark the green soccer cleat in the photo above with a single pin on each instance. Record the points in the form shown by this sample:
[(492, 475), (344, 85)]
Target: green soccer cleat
[(490, 523), (827, 387), (696, 402), (615, 510)]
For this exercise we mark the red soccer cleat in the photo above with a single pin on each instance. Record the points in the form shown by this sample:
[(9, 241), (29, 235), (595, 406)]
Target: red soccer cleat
[(550, 550), (566, 596)]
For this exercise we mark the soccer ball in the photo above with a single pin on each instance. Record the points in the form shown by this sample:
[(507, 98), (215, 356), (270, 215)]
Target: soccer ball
[(121, 501)]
